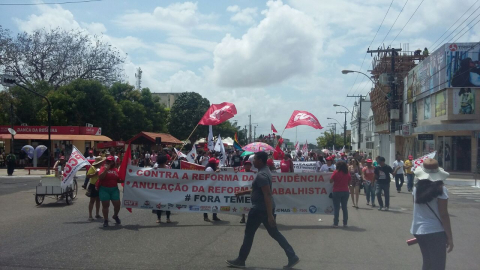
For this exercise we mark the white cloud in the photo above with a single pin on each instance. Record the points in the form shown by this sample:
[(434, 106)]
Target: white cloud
[(193, 42), (177, 18), (170, 51), (50, 18), (244, 16), (95, 28), (284, 44)]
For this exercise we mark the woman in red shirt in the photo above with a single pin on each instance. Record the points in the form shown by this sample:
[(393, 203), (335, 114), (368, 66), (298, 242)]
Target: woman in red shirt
[(286, 165), (107, 186), (340, 179)]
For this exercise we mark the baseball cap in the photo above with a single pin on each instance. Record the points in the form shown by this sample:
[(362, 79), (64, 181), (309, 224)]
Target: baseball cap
[(369, 160), (110, 158), (270, 162), (62, 157), (330, 158), (90, 151), (212, 160), (410, 157), (247, 162)]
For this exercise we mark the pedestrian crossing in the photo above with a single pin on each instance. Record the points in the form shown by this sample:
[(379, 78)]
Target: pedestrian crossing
[(465, 192)]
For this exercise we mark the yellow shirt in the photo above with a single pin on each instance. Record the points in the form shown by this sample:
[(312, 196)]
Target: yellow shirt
[(93, 179), (407, 164)]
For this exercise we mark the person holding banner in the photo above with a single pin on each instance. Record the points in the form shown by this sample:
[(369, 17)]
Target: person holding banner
[(212, 166), (263, 207), (286, 165), (162, 164), (107, 186), (340, 179)]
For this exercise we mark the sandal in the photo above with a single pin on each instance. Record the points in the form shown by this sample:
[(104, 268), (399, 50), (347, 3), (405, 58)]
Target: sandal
[(168, 220), (159, 221), (206, 219), (98, 216)]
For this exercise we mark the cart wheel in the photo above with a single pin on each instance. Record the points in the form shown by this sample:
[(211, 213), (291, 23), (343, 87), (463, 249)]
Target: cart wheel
[(75, 189), (39, 199), (67, 199)]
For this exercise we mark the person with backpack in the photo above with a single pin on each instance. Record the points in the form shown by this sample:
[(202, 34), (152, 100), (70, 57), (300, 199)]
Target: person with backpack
[(431, 221)]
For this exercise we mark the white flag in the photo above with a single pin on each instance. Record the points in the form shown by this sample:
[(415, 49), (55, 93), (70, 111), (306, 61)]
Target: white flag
[(75, 163), (333, 151), (343, 149), (419, 161), (219, 147), (305, 148), (180, 154), (297, 147), (192, 155), (210, 138)]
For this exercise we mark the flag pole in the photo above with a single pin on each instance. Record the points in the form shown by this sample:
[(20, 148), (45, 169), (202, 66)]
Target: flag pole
[(181, 148)]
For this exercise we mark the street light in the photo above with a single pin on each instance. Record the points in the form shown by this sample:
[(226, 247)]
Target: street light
[(336, 105), (353, 71)]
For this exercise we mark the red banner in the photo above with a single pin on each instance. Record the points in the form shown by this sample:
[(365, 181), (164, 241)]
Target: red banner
[(191, 166), (218, 113), (274, 130), (303, 118)]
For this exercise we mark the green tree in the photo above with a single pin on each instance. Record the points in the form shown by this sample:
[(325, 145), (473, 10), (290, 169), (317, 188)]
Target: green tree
[(327, 140), (87, 101), (185, 114)]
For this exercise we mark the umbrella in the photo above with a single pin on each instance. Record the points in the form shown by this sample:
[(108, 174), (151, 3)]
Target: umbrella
[(246, 153), (258, 147)]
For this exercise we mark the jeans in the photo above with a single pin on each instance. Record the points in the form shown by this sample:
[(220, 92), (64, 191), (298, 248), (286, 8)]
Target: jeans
[(434, 252), (159, 214), (410, 177), (255, 218), (399, 180), (340, 198), (386, 191), (370, 192)]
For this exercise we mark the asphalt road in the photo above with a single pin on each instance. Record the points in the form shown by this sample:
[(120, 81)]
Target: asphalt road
[(57, 236)]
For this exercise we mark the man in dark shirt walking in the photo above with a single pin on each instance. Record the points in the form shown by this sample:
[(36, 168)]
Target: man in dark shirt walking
[(382, 177), (262, 211)]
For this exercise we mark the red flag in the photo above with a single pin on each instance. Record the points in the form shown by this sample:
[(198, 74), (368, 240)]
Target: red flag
[(278, 154), (303, 118), (122, 171), (218, 113), (273, 129)]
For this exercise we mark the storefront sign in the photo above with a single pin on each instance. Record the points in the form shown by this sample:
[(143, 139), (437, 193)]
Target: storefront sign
[(63, 130), (425, 137), (407, 130), (195, 191), (111, 144)]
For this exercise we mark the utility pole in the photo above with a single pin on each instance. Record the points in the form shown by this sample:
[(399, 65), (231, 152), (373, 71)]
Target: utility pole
[(250, 127), (254, 131), (246, 135), (392, 98), (359, 118), (344, 129)]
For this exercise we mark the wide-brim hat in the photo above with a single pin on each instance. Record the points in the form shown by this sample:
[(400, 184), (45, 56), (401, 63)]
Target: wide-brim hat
[(98, 160), (431, 171)]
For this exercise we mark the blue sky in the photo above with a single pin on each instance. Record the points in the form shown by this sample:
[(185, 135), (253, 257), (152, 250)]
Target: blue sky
[(267, 57)]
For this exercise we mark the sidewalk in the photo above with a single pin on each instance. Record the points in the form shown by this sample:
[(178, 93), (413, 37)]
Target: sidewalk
[(20, 172)]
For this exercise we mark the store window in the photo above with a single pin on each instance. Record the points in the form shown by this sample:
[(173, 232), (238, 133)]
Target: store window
[(454, 153), (414, 112), (440, 104), (427, 102)]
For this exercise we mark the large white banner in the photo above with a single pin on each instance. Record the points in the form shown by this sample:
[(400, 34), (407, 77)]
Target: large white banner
[(75, 163), (299, 167), (197, 191)]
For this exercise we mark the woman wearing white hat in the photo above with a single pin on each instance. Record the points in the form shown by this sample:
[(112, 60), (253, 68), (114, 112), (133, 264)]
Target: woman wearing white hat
[(431, 221)]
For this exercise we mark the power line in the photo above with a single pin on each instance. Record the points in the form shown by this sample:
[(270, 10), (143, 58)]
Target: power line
[(458, 27), (395, 22), (407, 22), (455, 23), (59, 3), (364, 57)]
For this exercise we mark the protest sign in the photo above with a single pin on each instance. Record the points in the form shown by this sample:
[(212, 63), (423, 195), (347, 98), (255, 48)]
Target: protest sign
[(191, 166), (195, 191)]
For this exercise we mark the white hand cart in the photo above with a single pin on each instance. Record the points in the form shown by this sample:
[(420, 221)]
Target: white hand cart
[(50, 186)]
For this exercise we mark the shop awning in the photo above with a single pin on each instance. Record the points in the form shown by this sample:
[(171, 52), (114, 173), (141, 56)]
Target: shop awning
[(57, 137), (149, 138)]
